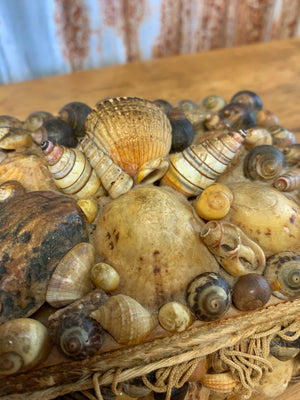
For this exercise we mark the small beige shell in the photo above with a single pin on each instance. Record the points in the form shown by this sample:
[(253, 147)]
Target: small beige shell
[(175, 317), (214, 202), (282, 137), (71, 278), (12, 138), (125, 319), (237, 254), (10, 189), (24, 342), (105, 277), (130, 130), (223, 382), (257, 136), (152, 170), (89, 208), (115, 181)]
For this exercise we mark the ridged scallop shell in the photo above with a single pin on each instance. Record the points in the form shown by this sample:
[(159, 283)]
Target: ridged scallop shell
[(233, 249), (71, 171), (130, 130), (125, 319), (71, 278), (200, 165), (283, 273), (289, 181), (223, 382)]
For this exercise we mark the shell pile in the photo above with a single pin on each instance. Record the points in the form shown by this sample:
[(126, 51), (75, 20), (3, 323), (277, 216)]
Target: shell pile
[(137, 217)]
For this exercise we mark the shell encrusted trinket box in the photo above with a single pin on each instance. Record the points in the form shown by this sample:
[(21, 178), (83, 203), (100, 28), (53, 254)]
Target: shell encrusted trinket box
[(149, 251)]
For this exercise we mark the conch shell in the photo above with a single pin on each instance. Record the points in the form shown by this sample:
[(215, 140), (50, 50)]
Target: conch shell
[(237, 254), (130, 130), (125, 319), (198, 166)]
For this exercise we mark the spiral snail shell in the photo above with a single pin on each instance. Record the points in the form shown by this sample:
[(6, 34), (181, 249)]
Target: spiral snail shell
[(238, 116), (281, 136), (292, 153), (57, 131), (175, 317), (249, 98), (75, 114), (283, 273), (266, 118), (209, 296), (213, 103), (24, 343), (164, 105), (264, 162), (36, 119), (152, 170), (289, 181), (10, 189), (257, 136)]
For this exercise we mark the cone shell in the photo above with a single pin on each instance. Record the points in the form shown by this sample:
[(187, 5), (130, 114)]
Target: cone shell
[(125, 319), (71, 278), (223, 383), (198, 166), (130, 130), (71, 171)]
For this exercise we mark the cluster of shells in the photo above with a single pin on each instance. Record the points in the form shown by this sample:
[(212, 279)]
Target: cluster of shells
[(191, 211)]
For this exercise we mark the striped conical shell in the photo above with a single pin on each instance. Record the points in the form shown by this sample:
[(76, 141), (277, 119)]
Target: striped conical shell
[(198, 166), (130, 130)]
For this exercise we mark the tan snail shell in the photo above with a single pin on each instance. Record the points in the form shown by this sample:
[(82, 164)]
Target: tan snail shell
[(71, 171), (24, 343), (152, 170), (282, 137), (105, 277), (266, 118), (36, 119), (214, 202), (71, 278), (198, 166), (292, 154), (175, 317), (130, 130), (12, 138), (266, 216), (289, 181), (125, 319), (89, 208), (213, 103), (10, 189), (237, 254), (222, 382), (257, 136), (113, 178)]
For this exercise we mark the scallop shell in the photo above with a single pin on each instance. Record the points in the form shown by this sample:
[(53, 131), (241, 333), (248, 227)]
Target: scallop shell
[(223, 382), (200, 165), (71, 171), (283, 273), (289, 181), (125, 319), (130, 130), (71, 278)]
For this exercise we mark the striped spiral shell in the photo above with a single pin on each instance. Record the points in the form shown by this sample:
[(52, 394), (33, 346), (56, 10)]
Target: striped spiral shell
[(282, 137), (289, 181)]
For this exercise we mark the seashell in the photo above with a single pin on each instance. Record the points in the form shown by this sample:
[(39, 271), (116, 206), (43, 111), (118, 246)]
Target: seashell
[(214, 202), (135, 388), (200, 165), (177, 393), (89, 208), (115, 127), (250, 292), (24, 343), (74, 331), (283, 349), (292, 153), (266, 216), (264, 162), (57, 131), (186, 105), (256, 137), (164, 105), (175, 317), (283, 273), (182, 130), (199, 371), (152, 171), (233, 249), (36, 119), (223, 382), (213, 103), (12, 138), (216, 363), (71, 278), (266, 118), (7, 121), (238, 116), (249, 98), (75, 114), (281, 136), (216, 122), (289, 181), (135, 233), (197, 391), (113, 178), (3, 156), (105, 277), (10, 189), (71, 171), (125, 319), (208, 296)]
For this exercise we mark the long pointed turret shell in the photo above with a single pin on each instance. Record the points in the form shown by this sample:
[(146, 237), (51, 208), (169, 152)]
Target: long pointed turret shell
[(130, 130), (200, 165), (71, 171), (125, 319), (113, 178)]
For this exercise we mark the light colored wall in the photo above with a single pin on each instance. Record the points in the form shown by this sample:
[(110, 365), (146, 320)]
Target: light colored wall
[(47, 37)]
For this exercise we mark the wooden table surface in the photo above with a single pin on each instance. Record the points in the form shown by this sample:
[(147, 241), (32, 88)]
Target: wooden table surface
[(270, 69)]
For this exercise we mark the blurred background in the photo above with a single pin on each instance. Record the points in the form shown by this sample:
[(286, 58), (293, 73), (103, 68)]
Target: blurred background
[(49, 37)]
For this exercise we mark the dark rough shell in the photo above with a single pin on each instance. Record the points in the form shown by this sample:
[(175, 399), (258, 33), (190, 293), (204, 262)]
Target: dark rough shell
[(182, 130), (209, 296), (250, 99), (75, 114), (36, 230), (57, 131)]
